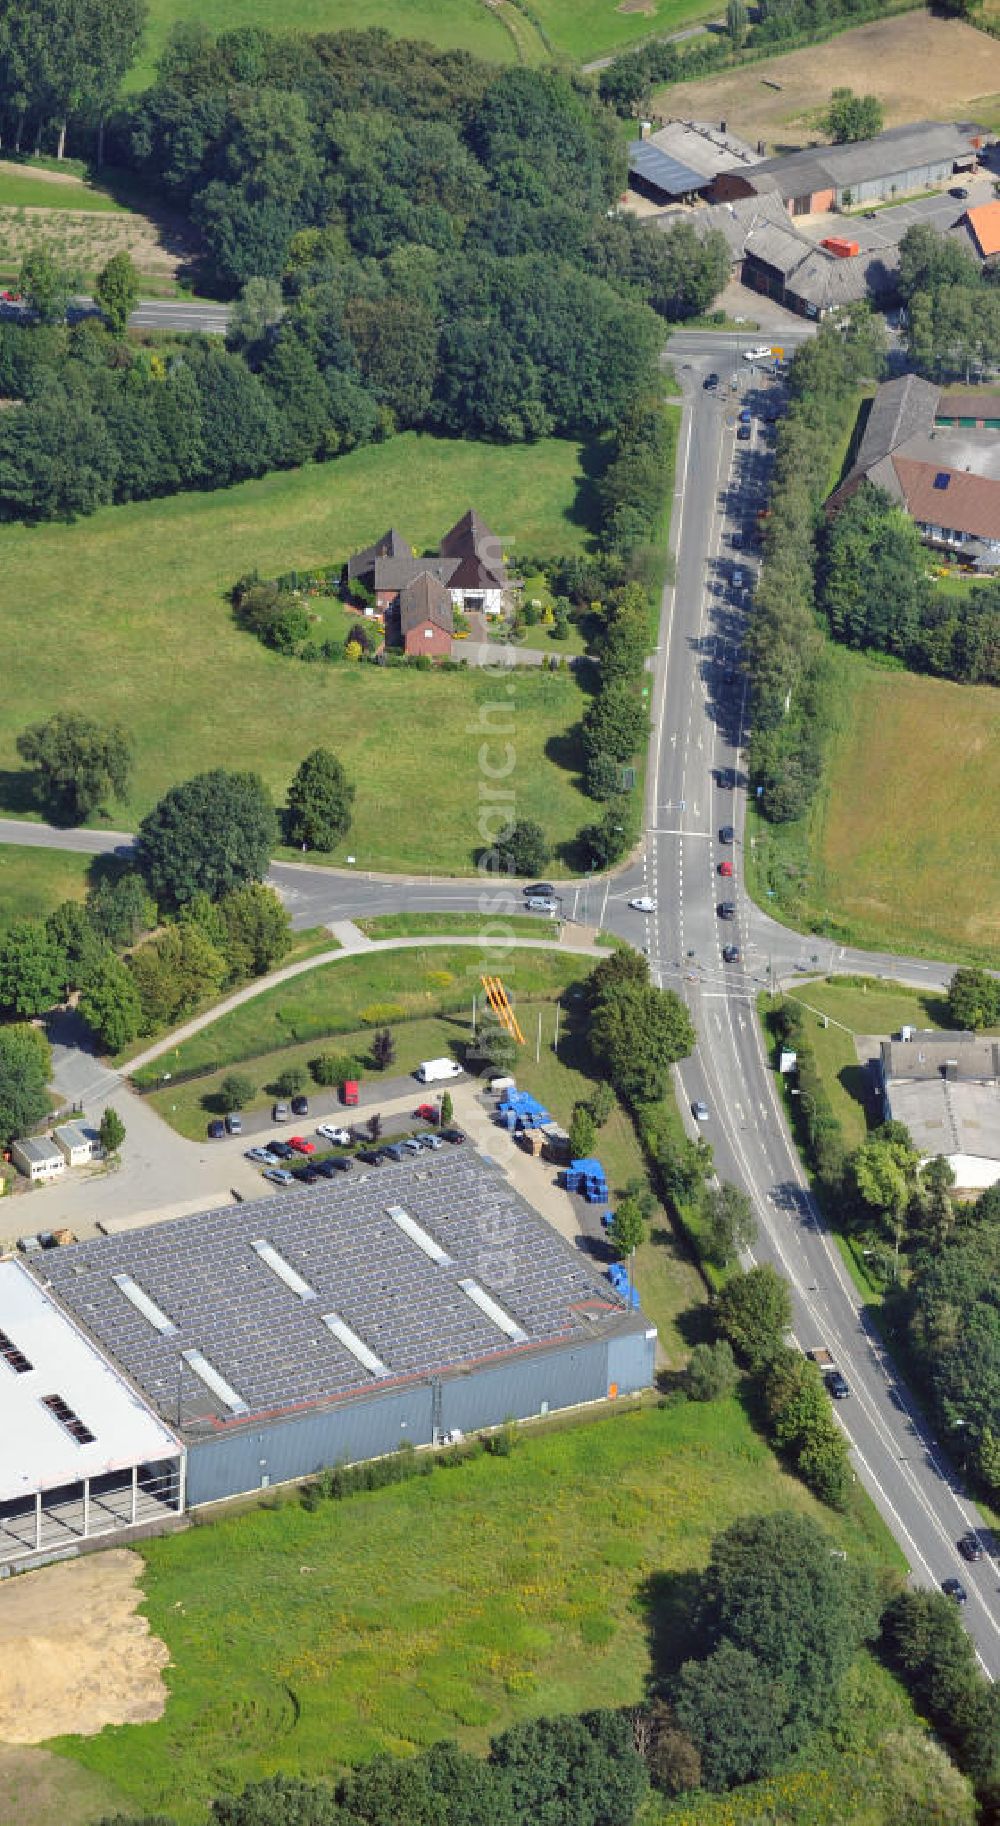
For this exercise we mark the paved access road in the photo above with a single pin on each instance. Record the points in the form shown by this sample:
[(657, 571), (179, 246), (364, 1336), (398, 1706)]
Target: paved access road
[(699, 728)]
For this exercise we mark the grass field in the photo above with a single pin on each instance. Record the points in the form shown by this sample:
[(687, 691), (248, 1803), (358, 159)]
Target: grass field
[(137, 593), (23, 188), (898, 851), (575, 28), (443, 1607), (34, 881), (779, 101), (84, 219), (406, 925)]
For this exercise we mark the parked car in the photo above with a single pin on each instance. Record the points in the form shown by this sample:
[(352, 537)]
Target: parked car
[(301, 1145), (730, 954), (428, 1112), (300, 1106), (281, 1150), (543, 889), (643, 904), (307, 1174), (279, 1112), (455, 1136), (960, 192), (263, 1156), (392, 1151), (727, 909), (744, 433), (234, 1123), (739, 577), (330, 1131), (953, 1588), (370, 1156), (279, 1176), (970, 1546), (699, 1110), (430, 1141), (29, 1245), (216, 1129), (727, 834), (413, 1144)]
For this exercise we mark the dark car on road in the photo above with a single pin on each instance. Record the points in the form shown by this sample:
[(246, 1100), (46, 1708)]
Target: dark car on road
[(730, 954), (727, 909), (539, 890), (953, 1588), (837, 1384), (970, 1546), (727, 834), (726, 777), (710, 383)]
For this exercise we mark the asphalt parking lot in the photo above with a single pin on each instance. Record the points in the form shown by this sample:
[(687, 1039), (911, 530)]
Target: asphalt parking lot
[(890, 223)]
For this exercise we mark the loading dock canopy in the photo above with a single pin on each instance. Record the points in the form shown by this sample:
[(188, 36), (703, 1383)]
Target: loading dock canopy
[(65, 1412)]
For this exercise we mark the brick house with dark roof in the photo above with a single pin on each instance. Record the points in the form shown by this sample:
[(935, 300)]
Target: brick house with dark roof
[(469, 564), (424, 618)]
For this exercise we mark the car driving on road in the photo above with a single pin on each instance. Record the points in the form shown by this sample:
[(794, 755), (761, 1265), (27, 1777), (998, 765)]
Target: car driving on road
[(699, 1110), (727, 834), (643, 904), (953, 1588), (970, 1546), (759, 352), (727, 909), (730, 954)]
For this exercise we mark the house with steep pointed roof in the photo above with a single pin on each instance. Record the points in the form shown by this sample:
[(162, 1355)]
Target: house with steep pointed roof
[(469, 563)]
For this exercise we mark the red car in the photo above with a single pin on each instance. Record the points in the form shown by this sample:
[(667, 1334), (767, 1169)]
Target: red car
[(428, 1112), (301, 1145), (725, 868)]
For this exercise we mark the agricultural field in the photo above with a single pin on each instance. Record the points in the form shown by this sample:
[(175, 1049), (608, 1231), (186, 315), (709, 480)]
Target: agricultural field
[(779, 101), (447, 1606), (498, 30), (84, 222), (898, 852), (34, 881), (139, 595)]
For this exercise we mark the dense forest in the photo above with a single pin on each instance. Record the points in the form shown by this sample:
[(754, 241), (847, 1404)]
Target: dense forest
[(415, 241)]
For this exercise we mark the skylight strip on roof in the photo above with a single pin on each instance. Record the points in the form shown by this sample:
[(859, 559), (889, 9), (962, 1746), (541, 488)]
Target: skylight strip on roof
[(210, 1376), (418, 1235), (502, 1320), (142, 1303), (357, 1346), (284, 1270)]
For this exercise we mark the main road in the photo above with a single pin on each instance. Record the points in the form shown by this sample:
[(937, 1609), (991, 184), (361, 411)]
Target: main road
[(699, 731)]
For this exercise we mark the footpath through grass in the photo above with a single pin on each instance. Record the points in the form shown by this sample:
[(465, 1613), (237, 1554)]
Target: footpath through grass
[(138, 595), (448, 1606), (898, 852)]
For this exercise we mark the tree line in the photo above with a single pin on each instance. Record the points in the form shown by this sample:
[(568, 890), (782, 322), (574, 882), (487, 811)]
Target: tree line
[(62, 63), (952, 307), (783, 652)]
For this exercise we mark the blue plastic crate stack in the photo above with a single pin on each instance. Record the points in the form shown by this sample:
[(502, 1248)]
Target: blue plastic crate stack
[(589, 1179), (520, 1110), (618, 1276)]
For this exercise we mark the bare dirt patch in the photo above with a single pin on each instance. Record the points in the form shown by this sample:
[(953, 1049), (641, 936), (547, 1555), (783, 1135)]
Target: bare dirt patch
[(917, 65), (76, 1656), (40, 1789), (636, 6)]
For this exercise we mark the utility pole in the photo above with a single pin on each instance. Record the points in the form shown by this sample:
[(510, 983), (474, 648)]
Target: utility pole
[(555, 1042), (538, 1041)]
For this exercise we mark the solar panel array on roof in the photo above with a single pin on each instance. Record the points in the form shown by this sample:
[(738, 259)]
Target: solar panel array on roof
[(232, 1282), (942, 478), (668, 174)]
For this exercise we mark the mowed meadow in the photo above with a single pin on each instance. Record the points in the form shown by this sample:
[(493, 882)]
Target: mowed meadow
[(126, 615)]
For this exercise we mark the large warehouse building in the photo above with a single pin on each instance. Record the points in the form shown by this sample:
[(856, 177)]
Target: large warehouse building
[(259, 1343)]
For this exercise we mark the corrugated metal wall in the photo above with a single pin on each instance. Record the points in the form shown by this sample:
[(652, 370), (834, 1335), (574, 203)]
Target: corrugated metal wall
[(299, 1447)]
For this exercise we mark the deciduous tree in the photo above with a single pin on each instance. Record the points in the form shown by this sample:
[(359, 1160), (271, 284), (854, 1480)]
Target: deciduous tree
[(80, 763), (212, 834), (319, 802)]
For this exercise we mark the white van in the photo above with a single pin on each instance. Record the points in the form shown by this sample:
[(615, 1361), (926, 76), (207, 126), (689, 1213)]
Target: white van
[(433, 1070)]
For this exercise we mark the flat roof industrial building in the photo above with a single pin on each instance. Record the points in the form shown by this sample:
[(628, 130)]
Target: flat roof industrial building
[(339, 1321)]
